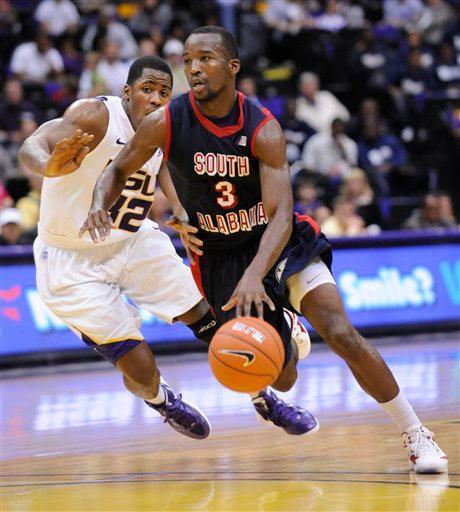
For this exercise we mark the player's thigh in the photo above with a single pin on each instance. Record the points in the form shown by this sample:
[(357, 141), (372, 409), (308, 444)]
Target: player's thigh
[(156, 278), (75, 290)]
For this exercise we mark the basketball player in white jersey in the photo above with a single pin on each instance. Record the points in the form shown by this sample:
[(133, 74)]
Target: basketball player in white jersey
[(83, 284)]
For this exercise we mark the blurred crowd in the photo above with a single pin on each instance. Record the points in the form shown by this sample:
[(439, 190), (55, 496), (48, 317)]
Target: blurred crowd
[(367, 93)]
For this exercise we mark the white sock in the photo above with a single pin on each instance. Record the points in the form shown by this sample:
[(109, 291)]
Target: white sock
[(160, 398), (401, 412)]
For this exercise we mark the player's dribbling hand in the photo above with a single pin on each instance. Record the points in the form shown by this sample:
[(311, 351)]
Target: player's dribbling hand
[(250, 290), (97, 221), (186, 232), (68, 154)]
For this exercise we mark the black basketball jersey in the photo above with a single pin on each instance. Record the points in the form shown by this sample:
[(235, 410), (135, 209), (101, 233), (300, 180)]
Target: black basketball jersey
[(215, 172)]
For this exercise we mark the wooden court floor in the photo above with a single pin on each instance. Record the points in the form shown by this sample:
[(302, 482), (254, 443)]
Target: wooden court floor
[(74, 440)]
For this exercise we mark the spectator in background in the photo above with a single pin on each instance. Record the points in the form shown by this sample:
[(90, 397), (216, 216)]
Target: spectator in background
[(172, 52), (380, 154), (296, 132), (57, 17), (344, 220), (91, 81), (306, 196), (356, 189), (402, 13), (248, 86), (330, 154), (332, 19), (317, 108), (416, 79), (11, 228), (5, 198), (13, 106), (285, 16), (111, 69), (37, 61), (147, 47), (107, 28), (72, 58), (448, 69), (437, 16), (369, 112), (151, 13), (29, 205), (432, 214)]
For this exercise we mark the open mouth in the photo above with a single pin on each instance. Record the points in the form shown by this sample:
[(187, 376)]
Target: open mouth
[(198, 85)]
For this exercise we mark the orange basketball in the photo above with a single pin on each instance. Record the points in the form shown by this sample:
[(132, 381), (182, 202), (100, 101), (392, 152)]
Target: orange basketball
[(246, 354)]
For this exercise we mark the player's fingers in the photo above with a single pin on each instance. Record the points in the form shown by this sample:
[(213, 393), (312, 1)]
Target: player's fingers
[(239, 307), (194, 240), (83, 152), (92, 227), (247, 306), (195, 249), (259, 307), (101, 222), (61, 145), (230, 304), (190, 256), (83, 228), (191, 229), (269, 302)]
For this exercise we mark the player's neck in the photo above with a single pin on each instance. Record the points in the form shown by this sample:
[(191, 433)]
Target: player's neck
[(125, 104), (220, 106)]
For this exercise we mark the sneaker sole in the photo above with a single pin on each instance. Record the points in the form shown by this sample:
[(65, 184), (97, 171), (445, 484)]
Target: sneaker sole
[(429, 470), (306, 434)]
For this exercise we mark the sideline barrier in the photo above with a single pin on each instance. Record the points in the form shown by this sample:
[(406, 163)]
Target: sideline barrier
[(393, 283)]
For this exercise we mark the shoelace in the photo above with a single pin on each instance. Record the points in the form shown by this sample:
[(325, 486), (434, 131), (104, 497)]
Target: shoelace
[(177, 411), (424, 440), (281, 413)]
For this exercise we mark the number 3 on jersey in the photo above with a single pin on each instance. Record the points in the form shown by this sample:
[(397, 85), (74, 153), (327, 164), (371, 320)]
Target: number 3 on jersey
[(227, 198)]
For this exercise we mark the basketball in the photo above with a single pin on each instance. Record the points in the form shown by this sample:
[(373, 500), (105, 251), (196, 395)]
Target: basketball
[(246, 354)]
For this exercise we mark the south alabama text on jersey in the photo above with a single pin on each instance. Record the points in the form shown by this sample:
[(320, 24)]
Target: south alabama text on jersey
[(232, 222)]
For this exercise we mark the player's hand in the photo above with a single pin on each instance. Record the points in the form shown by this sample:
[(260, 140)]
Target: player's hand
[(97, 223), (191, 243), (68, 154), (250, 290)]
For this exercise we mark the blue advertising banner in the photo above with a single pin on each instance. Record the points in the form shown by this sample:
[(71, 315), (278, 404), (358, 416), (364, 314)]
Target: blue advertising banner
[(380, 286)]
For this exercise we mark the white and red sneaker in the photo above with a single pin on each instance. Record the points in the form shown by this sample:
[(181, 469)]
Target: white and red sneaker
[(425, 456), (299, 334)]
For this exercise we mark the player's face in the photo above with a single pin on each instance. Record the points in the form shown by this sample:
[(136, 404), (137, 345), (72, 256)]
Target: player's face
[(150, 92), (207, 66)]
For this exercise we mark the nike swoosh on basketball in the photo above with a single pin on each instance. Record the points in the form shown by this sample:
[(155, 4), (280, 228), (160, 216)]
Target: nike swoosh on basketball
[(120, 142), (249, 356)]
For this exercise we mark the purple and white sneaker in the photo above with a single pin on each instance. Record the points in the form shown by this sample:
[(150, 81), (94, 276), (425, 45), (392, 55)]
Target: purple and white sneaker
[(292, 419), (182, 417)]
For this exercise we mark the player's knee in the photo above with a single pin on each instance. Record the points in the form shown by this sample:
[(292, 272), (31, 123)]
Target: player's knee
[(195, 314), (343, 339), (205, 328)]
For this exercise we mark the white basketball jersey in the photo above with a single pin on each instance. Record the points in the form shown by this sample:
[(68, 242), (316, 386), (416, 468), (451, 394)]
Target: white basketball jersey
[(66, 200)]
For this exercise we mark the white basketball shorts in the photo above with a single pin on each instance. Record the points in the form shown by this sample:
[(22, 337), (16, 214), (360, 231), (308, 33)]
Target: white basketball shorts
[(84, 287)]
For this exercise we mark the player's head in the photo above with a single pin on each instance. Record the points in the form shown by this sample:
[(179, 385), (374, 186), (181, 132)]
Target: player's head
[(211, 61), (147, 88)]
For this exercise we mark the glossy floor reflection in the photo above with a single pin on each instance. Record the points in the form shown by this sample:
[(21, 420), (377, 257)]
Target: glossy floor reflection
[(75, 440)]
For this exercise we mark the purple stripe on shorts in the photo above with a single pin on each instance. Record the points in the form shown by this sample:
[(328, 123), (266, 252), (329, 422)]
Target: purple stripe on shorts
[(111, 352)]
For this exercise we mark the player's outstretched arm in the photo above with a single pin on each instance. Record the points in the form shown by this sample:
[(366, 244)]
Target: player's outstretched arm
[(179, 219), (58, 147), (149, 136), (270, 150)]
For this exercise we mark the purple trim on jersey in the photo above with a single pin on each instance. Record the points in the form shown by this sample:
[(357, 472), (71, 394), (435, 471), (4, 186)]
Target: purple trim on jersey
[(219, 131), (111, 352)]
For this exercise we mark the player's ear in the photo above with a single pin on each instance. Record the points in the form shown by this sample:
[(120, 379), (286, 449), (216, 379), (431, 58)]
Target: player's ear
[(126, 91), (234, 65)]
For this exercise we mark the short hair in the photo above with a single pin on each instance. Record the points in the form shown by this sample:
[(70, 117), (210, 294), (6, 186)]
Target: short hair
[(228, 39), (147, 62)]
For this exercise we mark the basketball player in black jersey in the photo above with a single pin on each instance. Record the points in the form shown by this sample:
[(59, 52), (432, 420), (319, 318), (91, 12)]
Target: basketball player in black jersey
[(227, 160)]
